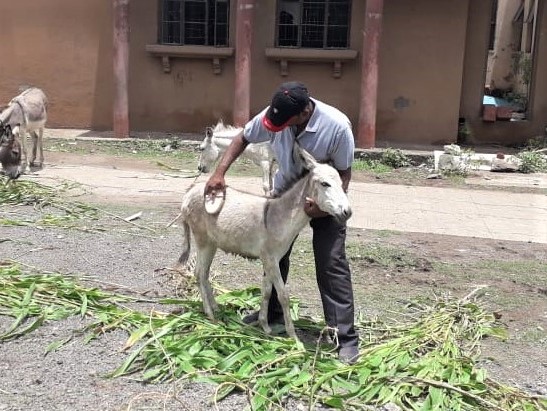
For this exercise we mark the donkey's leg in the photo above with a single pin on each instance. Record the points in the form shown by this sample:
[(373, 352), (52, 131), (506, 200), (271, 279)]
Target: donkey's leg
[(266, 179), (40, 145), (21, 134), (34, 143), (266, 293), (204, 258), (271, 172), (273, 277)]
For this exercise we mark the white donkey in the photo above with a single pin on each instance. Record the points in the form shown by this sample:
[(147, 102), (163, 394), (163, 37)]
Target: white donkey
[(218, 138), (256, 227), (27, 113)]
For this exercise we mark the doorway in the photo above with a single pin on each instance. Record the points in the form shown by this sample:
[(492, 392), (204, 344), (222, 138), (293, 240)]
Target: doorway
[(509, 72)]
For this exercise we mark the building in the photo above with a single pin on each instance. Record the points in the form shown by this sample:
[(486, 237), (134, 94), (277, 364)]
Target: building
[(407, 73)]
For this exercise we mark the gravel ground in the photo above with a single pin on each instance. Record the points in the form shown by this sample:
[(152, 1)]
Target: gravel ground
[(127, 257)]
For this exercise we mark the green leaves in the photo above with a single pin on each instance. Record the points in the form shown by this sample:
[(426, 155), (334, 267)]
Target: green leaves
[(424, 364)]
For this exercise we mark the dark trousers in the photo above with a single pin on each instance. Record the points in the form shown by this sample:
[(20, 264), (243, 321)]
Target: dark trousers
[(333, 278)]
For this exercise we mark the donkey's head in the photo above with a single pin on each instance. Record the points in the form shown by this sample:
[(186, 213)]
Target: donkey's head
[(10, 152), (326, 188), (209, 152)]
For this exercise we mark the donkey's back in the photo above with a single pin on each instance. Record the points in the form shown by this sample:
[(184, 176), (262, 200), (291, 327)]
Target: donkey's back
[(27, 114), (238, 228), (33, 104)]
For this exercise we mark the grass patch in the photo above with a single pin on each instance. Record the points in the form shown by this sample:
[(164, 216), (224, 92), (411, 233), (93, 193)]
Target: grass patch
[(388, 257), (537, 335), (171, 154), (373, 166), (427, 363), (143, 149), (523, 272)]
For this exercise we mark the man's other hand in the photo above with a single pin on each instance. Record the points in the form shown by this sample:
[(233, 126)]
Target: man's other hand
[(312, 210), (215, 185)]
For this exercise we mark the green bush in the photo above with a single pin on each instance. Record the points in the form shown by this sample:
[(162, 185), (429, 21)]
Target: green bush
[(532, 162), (395, 158)]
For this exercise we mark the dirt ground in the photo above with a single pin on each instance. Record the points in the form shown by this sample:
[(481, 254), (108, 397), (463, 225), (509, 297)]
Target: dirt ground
[(389, 269)]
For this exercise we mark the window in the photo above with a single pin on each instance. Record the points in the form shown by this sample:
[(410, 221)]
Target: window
[(316, 24), (194, 22)]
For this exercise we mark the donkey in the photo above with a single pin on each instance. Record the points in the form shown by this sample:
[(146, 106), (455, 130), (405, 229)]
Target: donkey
[(258, 228), (27, 113), (10, 152), (218, 138)]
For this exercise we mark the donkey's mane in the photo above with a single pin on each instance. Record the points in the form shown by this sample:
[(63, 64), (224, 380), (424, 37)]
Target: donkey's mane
[(220, 130)]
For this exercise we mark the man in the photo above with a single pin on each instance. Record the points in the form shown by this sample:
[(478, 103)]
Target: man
[(293, 117)]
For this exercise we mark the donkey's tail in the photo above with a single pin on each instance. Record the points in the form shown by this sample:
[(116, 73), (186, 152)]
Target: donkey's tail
[(185, 244)]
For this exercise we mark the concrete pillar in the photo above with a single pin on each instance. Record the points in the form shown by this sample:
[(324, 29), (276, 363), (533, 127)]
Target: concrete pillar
[(244, 30), (121, 68), (366, 134)]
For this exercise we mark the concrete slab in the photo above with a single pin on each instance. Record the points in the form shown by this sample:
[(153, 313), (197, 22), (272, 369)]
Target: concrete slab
[(492, 179), (470, 213)]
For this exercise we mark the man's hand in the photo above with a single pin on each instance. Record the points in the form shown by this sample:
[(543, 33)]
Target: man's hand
[(215, 185), (312, 210)]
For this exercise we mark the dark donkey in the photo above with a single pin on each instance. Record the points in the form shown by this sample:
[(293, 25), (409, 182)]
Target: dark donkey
[(10, 152)]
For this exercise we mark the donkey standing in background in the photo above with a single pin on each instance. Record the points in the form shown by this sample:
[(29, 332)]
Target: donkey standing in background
[(256, 227), (218, 138), (27, 113), (10, 152)]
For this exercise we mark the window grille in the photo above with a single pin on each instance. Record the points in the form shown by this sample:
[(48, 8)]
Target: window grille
[(313, 23), (194, 22)]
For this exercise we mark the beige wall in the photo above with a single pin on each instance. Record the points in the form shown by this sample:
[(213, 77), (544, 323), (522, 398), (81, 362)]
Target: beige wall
[(427, 48), (421, 68), (189, 98), (64, 47)]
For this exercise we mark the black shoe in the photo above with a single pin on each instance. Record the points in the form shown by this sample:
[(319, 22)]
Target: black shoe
[(277, 325), (348, 355), (252, 319)]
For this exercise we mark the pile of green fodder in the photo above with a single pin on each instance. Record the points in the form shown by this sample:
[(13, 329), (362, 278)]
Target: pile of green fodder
[(427, 363), (53, 206), (54, 209)]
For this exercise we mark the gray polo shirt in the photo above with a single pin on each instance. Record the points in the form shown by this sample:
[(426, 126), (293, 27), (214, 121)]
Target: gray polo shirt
[(327, 137)]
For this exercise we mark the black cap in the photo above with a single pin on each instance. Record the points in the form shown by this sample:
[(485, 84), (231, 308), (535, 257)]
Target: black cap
[(290, 100)]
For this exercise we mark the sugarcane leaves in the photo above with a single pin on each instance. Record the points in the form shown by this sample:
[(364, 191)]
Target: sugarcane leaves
[(427, 363)]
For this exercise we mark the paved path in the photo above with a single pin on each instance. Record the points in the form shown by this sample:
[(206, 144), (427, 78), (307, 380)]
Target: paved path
[(459, 212)]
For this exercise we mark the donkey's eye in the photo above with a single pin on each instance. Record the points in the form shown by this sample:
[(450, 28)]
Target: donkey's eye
[(325, 184)]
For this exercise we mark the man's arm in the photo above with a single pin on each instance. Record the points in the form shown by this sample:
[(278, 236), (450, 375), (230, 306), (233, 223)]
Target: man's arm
[(216, 182), (345, 175)]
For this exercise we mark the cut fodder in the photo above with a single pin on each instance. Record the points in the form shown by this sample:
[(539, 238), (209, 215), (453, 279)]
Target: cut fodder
[(53, 205), (426, 363)]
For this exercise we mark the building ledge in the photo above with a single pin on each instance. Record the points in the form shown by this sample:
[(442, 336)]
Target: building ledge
[(336, 57), (166, 53)]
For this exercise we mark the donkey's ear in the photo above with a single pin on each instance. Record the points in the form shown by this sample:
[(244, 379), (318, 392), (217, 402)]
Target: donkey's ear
[(209, 132), (307, 158)]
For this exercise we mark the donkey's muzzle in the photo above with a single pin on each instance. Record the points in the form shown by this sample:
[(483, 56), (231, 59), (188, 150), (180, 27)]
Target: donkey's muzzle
[(344, 215), (13, 174)]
